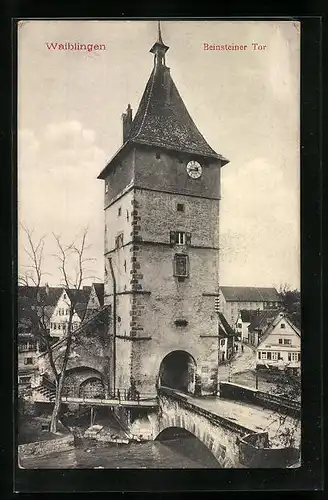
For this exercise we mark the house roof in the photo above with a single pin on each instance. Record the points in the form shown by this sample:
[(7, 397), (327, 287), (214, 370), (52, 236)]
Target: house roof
[(89, 323), (49, 296), (162, 119), (79, 296), (262, 319), (225, 329), (250, 294), (247, 315), (274, 323), (27, 300), (99, 289)]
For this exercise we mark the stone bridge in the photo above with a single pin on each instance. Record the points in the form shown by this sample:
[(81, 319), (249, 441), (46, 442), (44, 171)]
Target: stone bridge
[(218, 434), (221, 430)]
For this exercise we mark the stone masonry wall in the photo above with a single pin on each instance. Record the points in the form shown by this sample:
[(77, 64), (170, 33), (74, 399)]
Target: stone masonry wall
[(221, 438)]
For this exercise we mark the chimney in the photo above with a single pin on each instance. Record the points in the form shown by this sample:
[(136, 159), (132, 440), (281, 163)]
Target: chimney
[(127, 121)]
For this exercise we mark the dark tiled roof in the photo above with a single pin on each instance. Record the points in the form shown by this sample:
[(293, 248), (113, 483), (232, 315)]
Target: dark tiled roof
[(48, 295), (274, 323), (162, 118), (27, 300), (225, 329), (250, 294), (99, 289), (79, 296), (263, 319), (248, 315)]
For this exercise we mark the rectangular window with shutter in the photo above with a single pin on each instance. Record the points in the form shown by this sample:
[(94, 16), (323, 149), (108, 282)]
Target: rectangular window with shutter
[(181, 265), (180, 238)]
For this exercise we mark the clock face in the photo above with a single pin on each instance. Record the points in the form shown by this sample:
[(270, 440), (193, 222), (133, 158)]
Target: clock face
[(194, 169)]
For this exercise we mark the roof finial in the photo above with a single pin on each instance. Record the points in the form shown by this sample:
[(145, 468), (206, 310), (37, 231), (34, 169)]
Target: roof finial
[(159, 48), (159, 32)]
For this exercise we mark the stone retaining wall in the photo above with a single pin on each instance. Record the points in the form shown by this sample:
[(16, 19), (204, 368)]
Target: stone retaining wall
[(41, 448)]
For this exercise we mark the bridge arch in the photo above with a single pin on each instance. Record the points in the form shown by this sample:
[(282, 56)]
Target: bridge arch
[(209, 440), (178, 371), (180, 433)]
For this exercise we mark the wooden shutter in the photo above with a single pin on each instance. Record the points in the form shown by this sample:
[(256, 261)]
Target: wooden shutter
[(188, 238), (173, 237)]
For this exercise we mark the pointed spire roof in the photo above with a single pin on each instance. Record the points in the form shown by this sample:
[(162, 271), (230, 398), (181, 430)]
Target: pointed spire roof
[(162, 118)]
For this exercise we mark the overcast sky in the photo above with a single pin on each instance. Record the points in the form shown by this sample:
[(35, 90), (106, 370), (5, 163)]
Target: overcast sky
[(246, 104)]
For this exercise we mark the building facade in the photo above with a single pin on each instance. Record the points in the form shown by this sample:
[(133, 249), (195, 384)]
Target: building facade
[(280, 346), (61, 313), (232, 299), (227, 340), (28, 351), (162, 198), (259, 324)]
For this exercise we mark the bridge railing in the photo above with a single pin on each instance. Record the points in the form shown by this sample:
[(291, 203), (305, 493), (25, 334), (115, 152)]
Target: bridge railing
[(238, 392), (108, 400)]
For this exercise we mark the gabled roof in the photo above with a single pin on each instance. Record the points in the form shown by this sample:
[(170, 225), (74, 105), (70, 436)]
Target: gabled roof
[(99, 289), (261, 320), (274, 323), (79, 296), (48, 295), (27, 300), (250, 294), (162, 119), (225, 329)]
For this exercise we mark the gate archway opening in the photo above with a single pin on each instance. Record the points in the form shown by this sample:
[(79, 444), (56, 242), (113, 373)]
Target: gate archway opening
[(92, 387), (178, 371), (83, 381)]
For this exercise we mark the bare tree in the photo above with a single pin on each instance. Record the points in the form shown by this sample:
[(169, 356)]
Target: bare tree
[(69, 257)]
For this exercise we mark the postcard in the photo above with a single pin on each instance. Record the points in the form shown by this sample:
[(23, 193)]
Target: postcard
[(159, 322)]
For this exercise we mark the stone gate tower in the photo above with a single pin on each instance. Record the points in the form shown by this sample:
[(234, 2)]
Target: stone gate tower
[(162, 196)]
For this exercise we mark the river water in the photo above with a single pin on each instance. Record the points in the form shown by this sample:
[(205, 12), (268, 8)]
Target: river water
[(188, 453)]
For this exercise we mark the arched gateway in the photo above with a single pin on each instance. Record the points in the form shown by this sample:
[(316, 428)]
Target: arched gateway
[(178, 371)]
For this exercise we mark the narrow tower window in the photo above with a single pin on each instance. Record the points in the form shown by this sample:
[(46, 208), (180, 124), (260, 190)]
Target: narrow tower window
[(119, 211), (106, 187), (119, 240)]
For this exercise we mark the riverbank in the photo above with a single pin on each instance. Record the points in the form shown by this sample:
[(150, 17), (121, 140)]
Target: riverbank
[(174, 454)]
